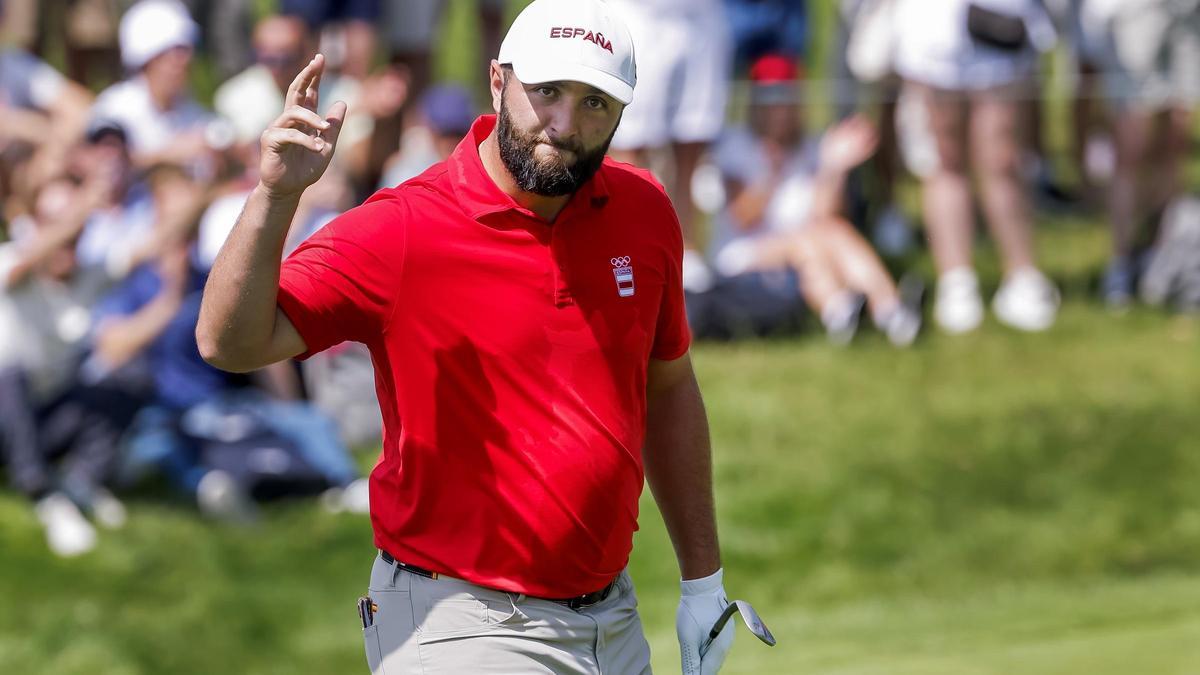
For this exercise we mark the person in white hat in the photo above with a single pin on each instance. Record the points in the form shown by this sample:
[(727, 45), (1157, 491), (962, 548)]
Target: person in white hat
[(154, 104), (523, 305)]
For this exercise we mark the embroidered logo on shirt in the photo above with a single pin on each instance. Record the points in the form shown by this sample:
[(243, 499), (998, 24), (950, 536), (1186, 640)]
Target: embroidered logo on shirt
[(623, 271)]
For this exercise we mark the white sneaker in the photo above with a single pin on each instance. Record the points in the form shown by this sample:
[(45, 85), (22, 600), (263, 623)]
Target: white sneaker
[(219, 496), (958, 308), (901, 326), (841, 317), (67, 532), (108, 511), (353, 498), (1026, 301)]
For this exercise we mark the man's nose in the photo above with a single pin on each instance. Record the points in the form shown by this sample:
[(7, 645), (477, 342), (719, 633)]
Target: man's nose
[(563, 127)]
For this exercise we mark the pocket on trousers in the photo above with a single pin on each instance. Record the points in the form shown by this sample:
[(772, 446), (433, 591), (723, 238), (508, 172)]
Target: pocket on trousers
[(374, 654), (456, 616)]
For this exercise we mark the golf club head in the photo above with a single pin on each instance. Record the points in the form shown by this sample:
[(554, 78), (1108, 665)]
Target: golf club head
[(749, 616), (754, 622)]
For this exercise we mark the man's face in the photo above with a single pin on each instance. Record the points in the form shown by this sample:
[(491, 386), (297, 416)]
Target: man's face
[(168, 72), (779, 122), (280, 46), (553, 135)]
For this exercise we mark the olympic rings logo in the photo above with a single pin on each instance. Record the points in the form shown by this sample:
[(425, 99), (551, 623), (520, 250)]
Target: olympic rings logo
[(620, 261)]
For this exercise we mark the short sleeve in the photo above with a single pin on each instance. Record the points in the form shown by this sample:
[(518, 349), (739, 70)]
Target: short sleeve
[(672, 337), (340, 284)]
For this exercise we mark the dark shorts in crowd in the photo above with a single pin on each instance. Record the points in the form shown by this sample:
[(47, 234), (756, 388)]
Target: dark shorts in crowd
[(76, 430), (755, 304)]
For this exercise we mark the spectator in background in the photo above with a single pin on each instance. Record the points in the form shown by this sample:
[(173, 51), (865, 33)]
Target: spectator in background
[(48, 411), (1154, 79), (866, 81), (347, 29), (154, 105), (784, 199), (42, 110), (146, 327), (967, 67), (225, 28), (684, 53), (762, 27), (409, 28), (253, 98), (443, 117), (120, 233)]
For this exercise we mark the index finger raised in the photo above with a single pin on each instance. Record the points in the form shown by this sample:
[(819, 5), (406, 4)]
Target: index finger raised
[(304, 80)]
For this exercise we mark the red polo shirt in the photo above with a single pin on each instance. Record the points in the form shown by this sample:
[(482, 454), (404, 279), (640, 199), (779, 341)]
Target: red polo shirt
[(510, 364)]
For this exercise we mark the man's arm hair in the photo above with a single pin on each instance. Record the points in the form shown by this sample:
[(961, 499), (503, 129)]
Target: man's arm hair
[(678, 462), (241, 327)]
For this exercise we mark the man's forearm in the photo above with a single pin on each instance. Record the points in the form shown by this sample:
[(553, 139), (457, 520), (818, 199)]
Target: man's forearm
[(678, 461), (237, 316)]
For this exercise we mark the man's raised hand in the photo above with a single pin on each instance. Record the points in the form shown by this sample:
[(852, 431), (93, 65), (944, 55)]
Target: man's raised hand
[(298, 145)]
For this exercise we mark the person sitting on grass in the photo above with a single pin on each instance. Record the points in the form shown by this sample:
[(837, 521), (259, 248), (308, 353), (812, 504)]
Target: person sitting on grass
[(783, 202), (214, 439), (58, 433)]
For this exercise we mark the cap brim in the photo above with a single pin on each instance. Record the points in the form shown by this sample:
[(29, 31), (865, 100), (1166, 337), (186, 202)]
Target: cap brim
[(536, 73)]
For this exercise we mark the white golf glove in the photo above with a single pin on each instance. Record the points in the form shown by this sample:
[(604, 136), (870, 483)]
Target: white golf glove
[(700, 605)]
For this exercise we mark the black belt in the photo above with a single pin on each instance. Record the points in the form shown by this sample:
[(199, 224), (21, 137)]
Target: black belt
[(576, 602)]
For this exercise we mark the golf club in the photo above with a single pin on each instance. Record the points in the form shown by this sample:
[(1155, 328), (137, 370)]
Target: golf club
[(751, 618)]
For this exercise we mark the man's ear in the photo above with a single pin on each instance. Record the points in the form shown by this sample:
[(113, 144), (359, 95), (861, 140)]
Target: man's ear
[(496, 76)]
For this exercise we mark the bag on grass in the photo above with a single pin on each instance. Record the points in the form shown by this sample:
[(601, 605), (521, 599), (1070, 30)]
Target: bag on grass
[(754, 304), (261, 461)]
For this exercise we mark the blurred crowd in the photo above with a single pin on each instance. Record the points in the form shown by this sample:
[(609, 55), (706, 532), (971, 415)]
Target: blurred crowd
[(118, 188)]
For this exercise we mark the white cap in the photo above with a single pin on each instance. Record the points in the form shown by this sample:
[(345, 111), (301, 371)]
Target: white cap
[(572, 40), (151, 27)]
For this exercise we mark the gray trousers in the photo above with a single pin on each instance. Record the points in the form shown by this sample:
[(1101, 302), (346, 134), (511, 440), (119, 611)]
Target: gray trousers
[(447, 625)]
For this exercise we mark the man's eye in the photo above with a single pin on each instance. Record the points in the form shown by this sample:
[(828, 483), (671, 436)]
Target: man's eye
[(596, 103), (545, 91)]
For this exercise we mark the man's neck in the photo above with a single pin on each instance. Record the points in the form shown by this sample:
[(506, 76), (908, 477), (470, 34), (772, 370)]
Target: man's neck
[(159, 96), (545, 207)]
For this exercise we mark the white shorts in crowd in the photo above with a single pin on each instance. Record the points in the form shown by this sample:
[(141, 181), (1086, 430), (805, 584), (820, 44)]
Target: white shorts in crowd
[(934, 47), (683, 62), (1155, 53)]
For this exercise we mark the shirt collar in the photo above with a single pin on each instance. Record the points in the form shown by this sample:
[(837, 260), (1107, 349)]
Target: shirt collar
[(478, 194)]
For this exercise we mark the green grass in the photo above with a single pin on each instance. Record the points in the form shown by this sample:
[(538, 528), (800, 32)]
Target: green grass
[(997, 503), (994, 503)]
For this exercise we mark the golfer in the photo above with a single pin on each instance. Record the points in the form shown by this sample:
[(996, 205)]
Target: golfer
[(523, 307)]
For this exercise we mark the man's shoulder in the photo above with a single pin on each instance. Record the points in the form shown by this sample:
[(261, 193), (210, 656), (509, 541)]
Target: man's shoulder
[(432, 183), (632, 184), (638, 200), (391, 209)]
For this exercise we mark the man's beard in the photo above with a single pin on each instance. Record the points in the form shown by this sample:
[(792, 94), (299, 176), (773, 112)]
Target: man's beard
[(549, 177)]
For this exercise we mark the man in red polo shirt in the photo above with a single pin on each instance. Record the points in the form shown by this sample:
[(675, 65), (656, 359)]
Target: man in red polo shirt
[(523, 306)]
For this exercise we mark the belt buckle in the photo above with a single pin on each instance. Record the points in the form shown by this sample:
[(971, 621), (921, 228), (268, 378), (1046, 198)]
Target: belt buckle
[(589, 599)]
